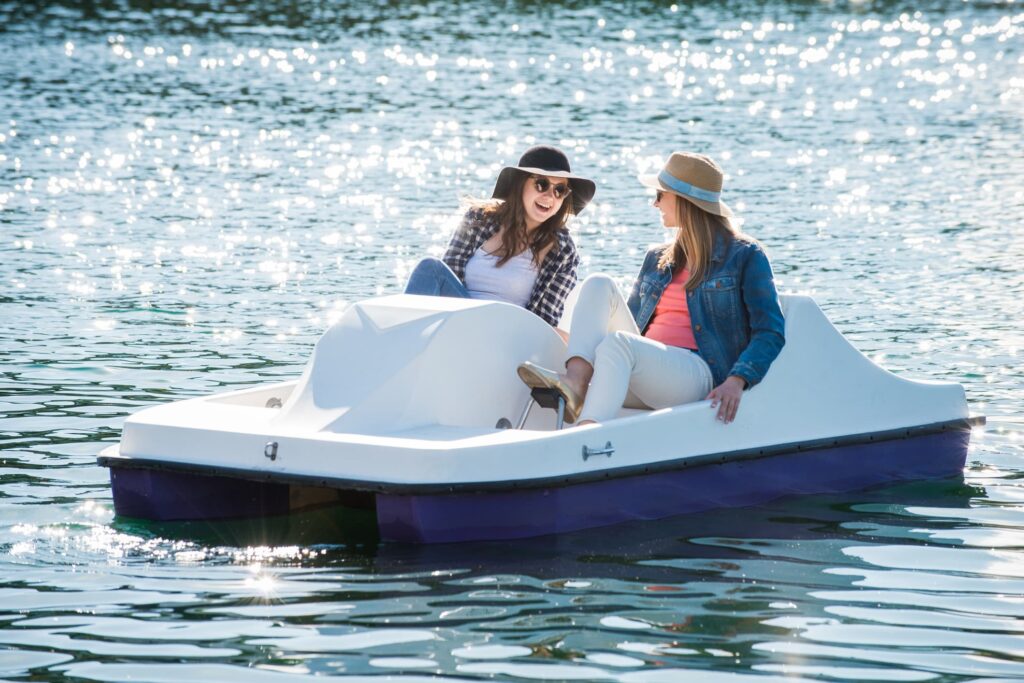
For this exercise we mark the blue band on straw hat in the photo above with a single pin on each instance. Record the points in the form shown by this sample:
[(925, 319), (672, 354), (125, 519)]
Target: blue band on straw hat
[(679, 186)]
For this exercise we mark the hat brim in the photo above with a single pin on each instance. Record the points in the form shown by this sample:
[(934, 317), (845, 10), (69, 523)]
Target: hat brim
[(718, 208), (583, 189)]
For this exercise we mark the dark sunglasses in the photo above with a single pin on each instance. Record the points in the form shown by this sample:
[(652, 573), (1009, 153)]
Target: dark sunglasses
[(658, 194), (542, 184)]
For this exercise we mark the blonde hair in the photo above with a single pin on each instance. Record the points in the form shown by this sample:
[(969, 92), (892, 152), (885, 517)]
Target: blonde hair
[(694, 241)]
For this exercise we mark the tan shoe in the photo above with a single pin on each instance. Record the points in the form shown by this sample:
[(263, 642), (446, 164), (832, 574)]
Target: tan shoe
[(536, 377)]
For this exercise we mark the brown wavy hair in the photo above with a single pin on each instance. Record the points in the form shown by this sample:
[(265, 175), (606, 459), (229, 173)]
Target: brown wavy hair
[(511, 216), (694, 241)]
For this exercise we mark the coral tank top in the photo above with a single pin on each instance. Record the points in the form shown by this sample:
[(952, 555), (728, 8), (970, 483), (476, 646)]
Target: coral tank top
[(671, 322)]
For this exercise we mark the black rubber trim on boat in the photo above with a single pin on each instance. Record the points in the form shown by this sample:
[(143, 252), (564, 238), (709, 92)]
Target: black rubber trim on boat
[(962, 424)]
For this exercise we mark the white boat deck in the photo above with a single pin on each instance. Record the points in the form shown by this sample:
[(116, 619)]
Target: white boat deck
[(402, 377)]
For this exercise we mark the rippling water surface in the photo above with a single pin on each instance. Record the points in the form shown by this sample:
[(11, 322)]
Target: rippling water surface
[(191, 192)]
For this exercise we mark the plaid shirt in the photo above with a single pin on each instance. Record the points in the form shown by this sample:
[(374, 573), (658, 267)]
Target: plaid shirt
[(557, 275)]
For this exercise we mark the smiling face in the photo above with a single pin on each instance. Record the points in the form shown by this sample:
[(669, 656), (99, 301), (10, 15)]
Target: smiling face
[(540, 206), (666, 204)]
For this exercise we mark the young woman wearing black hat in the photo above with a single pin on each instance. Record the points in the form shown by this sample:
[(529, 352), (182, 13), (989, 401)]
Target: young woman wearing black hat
[(516, 250)]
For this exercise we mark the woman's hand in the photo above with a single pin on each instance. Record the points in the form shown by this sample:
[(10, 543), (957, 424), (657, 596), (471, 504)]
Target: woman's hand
[(726, 397)]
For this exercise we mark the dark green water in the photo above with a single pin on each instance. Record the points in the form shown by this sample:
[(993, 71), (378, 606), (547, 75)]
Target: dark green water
[(191, 192)]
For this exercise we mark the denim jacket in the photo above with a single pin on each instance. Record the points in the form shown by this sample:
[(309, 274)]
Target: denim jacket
[(735, 311)]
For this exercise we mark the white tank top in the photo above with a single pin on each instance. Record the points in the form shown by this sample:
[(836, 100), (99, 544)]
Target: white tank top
[(513, 282)]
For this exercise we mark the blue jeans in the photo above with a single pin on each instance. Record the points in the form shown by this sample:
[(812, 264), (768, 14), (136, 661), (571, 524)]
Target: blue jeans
[(433, 277)]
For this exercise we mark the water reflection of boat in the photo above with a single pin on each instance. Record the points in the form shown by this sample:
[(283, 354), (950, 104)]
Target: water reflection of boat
[(396, 415)]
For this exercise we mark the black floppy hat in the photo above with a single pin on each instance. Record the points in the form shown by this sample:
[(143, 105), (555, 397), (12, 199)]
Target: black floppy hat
[(549, 161)]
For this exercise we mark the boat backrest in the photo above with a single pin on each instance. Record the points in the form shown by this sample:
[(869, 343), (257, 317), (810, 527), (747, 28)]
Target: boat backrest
[(818, 358), (835, 388), (401, 362)]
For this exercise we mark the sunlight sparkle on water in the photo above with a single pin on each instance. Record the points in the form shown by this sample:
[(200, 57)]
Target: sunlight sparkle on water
[(187, 209), (264, 584)]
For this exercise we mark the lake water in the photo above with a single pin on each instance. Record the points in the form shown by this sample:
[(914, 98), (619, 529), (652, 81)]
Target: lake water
[(191, 192)]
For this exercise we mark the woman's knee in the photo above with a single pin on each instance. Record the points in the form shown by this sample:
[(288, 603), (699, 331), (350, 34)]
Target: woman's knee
[(598, 282), (429, 264), (616, 342)]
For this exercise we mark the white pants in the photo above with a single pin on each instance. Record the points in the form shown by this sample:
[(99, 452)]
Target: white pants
[(629, 369)]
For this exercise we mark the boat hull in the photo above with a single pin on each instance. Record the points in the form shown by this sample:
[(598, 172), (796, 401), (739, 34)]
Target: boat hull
[(738, 483), (520, 511), (171, 495)]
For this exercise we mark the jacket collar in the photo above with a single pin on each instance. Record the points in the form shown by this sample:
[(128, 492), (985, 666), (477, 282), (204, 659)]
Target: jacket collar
[(719, 250), (720, 247)]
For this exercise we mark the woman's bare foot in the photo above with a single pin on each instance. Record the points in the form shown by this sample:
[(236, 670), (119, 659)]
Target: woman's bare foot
[(579, 387), (577, 375)]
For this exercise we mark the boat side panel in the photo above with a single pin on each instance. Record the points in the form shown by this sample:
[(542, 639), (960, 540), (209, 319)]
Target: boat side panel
[(164, 495), (520, 514), (167, 495)]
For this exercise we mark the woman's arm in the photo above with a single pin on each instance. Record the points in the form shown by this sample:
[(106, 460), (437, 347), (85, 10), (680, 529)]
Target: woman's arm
[(552, 301), (464, 242), (652, 257), (767, 336), (767, 324)]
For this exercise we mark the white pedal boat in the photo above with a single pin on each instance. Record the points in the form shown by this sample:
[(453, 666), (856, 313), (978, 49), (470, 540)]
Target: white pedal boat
[(397, 413)]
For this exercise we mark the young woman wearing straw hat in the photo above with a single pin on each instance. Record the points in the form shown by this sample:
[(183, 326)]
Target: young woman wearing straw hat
[(518, 249), (703, 320)]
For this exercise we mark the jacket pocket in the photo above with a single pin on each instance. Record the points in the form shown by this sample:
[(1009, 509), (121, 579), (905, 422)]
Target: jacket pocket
[(720, 282), (722, 297), (650, 282)]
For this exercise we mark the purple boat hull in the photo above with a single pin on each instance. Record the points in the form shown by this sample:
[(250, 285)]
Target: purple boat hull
[(158, 493), (169, 495), (520, 514)]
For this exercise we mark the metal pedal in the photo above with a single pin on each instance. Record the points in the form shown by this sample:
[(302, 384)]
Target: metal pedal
[(549, 398)]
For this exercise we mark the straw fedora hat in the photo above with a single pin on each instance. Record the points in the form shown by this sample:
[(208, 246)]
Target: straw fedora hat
[(693, 177), (549, 161)]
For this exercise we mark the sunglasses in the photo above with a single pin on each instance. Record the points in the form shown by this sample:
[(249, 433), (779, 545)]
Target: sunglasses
[(542, 185)]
